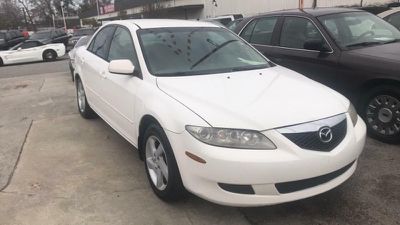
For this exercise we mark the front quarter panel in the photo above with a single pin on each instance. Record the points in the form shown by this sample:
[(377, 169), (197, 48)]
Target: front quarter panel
[(171, 114)]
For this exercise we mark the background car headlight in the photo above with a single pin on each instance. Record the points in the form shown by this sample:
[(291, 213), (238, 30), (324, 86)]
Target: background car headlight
[(353, 114), (231, 138)]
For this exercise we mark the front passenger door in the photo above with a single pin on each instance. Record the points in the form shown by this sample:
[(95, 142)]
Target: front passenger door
[(120, 90), (320, 65)]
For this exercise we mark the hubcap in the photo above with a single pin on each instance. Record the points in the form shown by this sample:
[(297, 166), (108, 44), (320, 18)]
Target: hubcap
[(81, 97), (383, 115), (156, 162), (49, 55)]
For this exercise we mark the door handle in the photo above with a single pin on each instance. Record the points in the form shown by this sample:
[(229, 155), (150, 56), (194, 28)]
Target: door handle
[(103, 74)]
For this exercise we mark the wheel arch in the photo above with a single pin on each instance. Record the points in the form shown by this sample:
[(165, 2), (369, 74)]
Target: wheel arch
[(366, 86), (145, 122)]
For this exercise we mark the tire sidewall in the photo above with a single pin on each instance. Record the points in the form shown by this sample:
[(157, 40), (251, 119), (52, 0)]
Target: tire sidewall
[(380, 90), (174, 189)]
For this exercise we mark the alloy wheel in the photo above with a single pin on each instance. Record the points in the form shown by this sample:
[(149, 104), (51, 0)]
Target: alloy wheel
[(81, 97), (156, 162), (383, 115)]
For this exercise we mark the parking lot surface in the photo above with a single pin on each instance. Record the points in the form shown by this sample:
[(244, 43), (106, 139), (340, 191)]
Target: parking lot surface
[(57, 168)]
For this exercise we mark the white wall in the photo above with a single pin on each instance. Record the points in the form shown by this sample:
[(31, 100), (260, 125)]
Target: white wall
[(253, 7)]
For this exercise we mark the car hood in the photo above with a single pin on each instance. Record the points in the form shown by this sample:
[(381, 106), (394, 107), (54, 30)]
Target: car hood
[(257, 99), (387, 52)]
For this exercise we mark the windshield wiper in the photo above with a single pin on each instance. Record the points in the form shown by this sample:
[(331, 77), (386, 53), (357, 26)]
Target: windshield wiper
[(212, 52), (366, 43)]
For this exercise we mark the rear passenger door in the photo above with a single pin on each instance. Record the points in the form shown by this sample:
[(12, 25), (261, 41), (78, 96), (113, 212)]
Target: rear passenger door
[(94, 66)]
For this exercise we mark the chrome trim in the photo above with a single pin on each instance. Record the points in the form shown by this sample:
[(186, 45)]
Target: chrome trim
[(313, 126), (298, 49)]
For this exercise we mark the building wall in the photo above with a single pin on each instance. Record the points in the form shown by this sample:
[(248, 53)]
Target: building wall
[(253, 7)]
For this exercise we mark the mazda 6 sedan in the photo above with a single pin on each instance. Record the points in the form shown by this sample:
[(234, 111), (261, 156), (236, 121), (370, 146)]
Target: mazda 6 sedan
[(211, 115)]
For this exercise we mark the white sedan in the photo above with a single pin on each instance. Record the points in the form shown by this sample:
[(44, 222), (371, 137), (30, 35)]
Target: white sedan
[(211, 115), (31, 51)]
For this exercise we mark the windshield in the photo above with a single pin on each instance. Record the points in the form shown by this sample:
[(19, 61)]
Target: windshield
[(41, 35), (359, 29), (83, 32), (196, 51), (2, 36)]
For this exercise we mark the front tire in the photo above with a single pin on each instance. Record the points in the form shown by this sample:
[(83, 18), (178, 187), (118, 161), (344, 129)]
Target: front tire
[(381, 111), (83, 106), (160, 164), (49, 55)]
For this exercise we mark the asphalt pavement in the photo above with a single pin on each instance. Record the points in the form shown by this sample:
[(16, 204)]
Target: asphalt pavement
[(57, 168)]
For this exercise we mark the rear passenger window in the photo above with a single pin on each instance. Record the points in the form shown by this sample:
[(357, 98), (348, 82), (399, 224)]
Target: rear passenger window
[(101, 42), (394, 19), (263, 31), (122, 47)]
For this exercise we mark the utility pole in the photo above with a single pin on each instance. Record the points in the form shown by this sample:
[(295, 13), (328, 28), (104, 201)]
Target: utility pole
[(301, 4), (98, 9), (63, 16)]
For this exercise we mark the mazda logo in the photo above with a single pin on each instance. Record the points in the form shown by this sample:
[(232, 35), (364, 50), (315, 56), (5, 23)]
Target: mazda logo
[(325, 134)]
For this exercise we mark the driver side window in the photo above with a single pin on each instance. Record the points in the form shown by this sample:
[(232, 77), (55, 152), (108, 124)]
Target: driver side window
[(29, 45), (301, 28), (122, 47)]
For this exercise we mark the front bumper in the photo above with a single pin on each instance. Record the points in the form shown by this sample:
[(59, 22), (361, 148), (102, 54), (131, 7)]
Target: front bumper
[(263, 170)]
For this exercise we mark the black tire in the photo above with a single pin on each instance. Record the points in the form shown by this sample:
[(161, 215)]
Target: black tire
[(71, 69), (380, 108), (49, 55), (174, 189), (83, 105), (1, 62)]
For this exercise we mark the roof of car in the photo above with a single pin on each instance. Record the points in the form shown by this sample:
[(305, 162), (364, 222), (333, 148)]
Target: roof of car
[(313, 11), (159, 23), (389, 12)]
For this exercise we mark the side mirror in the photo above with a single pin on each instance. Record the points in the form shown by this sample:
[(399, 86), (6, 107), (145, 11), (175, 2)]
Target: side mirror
[(19, 49), (316, 45), (121, 66)]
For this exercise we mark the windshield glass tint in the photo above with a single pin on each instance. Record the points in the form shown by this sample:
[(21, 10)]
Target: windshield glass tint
[(196, 51), (41, 35), (359, 29)]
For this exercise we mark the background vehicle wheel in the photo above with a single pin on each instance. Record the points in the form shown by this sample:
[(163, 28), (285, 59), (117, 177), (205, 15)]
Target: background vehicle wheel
[(381, 111), (83, 105), (160, 164), (49, 55)]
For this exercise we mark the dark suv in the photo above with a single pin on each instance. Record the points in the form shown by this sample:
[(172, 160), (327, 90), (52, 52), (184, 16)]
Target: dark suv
[(10, 38), (51, 36), (349, 50)]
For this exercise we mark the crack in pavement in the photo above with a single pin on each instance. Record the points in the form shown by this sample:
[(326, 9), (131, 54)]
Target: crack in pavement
[(18, 158)]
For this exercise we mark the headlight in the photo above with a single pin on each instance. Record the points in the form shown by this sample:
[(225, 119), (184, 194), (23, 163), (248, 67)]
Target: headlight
[(353, 114), (231, 138)]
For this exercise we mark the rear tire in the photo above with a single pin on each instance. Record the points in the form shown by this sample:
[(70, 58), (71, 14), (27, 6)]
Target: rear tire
[(49, 55), (380, 109), (160, 165), (83, 105)]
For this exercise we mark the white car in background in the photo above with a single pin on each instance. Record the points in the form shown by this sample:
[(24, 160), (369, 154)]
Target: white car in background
[(31, 51), (211, 115), (80, 43)]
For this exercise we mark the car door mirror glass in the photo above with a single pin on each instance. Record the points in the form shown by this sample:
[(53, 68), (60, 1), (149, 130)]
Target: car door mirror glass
[(121, 66), (316, 45)]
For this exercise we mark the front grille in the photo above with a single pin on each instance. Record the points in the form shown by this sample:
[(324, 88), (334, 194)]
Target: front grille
[(298, 185), (307, 136)]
